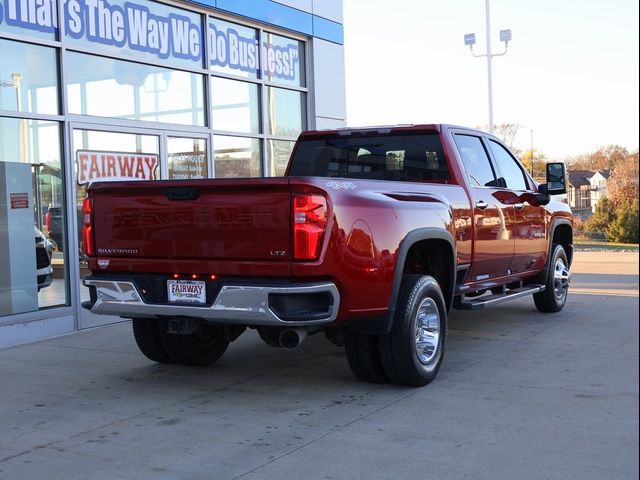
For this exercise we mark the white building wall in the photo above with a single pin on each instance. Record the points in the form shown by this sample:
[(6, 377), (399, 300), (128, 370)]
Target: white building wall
[(328, 84), (329, 9), (328, 104), (304, 5)]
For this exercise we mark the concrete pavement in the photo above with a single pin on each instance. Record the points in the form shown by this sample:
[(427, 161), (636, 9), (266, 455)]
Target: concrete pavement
[(521, 395)]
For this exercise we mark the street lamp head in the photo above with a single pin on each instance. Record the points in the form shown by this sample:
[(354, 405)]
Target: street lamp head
[(505, 36), (470, 39)]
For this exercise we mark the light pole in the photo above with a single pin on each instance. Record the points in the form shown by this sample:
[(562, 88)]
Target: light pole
[(532, 153), (470, 39)]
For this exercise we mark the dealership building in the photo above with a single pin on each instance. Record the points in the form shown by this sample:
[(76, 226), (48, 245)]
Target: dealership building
[(140, 89)]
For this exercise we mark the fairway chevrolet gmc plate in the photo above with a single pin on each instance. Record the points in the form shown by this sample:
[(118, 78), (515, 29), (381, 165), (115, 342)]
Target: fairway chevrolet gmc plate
[(186, 291)]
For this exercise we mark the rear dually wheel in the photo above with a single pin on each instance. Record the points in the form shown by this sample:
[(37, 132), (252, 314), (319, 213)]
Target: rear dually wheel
[(412, 352)]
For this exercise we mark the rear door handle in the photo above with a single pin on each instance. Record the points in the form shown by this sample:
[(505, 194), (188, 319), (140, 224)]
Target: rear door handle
[(481, 204), (518, 206)]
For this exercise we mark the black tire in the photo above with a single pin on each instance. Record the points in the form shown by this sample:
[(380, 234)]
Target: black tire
[(201, 348), (363, 355), (554, 296), (146, 331), (402, 361)]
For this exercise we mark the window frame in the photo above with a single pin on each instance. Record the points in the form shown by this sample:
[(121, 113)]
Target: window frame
[(529, 184)]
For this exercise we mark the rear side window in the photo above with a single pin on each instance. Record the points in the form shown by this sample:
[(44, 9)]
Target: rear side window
[(413, 158)]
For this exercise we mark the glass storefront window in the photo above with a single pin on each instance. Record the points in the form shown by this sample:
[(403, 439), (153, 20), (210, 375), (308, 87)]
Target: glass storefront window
[(38, 19), (236, 157), (286, 116), (110, 156), (233, 49), (187, 158), (139, 29), (283, 60), (28, 78), (279, 153), (115, 88), (32, 207), (235, 106)]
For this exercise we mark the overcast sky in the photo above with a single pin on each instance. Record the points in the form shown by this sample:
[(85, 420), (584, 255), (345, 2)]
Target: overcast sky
[(570, 75)]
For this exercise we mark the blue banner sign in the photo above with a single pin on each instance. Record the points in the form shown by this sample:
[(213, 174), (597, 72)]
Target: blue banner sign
[(160, 31), (134, 26), (230, 49), (39, 15)]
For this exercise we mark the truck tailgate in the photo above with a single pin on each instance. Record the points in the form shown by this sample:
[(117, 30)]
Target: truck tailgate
[(239, 219)]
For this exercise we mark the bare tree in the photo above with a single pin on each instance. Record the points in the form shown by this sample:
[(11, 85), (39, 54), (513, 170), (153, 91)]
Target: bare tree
[(606, 157), (507, 133)]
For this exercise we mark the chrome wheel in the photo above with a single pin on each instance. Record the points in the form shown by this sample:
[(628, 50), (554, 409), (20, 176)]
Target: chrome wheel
[(412, 352), (427, 336), (561, 279)]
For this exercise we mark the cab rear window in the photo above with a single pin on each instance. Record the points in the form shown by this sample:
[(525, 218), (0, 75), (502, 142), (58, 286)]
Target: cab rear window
[(409, 158)]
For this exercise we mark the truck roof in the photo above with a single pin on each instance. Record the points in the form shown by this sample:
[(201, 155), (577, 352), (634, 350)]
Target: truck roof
[(438, 127)]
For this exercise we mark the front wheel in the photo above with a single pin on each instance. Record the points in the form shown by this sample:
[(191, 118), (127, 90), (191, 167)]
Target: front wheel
[(554, 296), (412, 352)]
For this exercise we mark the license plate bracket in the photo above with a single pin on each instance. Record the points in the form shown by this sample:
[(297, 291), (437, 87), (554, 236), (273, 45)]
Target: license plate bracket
[(187, 291)]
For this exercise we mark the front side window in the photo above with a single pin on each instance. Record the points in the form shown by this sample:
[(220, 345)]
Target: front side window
[(476, 162), (511, 171)]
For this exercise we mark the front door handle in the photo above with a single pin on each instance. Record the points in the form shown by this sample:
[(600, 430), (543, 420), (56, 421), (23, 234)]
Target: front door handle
[(481, 204)]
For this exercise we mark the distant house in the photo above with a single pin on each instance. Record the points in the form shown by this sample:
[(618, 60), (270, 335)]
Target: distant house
[(579, 193), (585, 190), (598, 187)]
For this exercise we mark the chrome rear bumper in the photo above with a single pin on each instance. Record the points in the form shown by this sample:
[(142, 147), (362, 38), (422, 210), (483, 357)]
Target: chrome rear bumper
[(234, 304)]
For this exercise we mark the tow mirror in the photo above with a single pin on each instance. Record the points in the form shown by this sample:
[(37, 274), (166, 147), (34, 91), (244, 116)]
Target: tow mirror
[(556, 179)]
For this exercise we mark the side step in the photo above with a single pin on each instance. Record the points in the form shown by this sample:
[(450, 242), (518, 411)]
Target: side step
[(477, 303)]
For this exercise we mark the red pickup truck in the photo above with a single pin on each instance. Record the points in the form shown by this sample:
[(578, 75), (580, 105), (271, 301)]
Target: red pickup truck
[(371, 237)]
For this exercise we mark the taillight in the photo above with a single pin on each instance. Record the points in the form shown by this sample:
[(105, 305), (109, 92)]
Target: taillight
[(309, 224), (87, 229), (48, 220)]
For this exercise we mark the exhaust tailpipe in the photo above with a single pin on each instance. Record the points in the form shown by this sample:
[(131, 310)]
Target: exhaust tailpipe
[(290, 338)]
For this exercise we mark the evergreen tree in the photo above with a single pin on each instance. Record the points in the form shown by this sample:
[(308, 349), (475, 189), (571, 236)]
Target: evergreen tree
[(624, 228), (604, 216)]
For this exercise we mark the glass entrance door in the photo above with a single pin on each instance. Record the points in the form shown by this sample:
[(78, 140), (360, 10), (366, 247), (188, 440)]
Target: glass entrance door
[(187, 157), (108, 156)]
